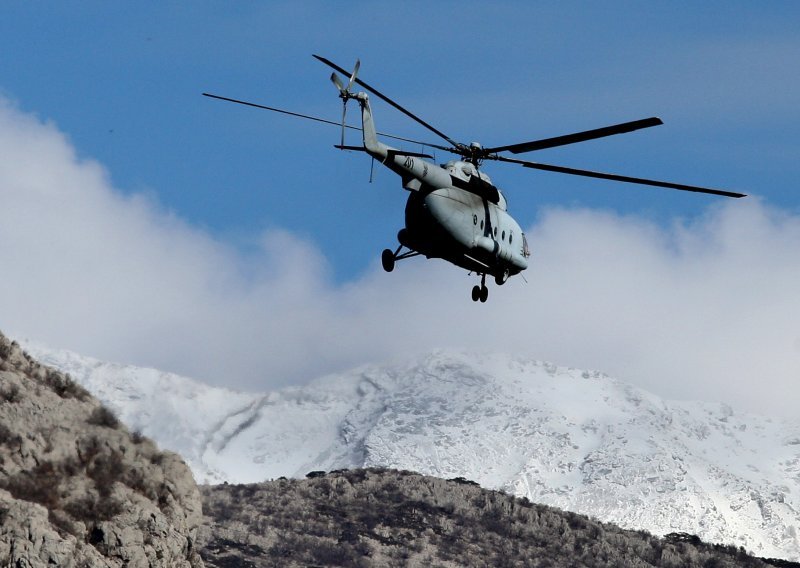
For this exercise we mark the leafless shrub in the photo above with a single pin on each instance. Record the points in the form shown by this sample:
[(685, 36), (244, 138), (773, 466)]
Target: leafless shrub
[(88, 448), (465, 481), (93, 508), (63, 522), (104, 416), (9, 438), (11, 393), (164, 496), (64, 386), (106, 469), (40, 485)]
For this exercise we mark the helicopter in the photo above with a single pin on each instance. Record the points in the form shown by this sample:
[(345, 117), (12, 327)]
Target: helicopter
[(454, 212)]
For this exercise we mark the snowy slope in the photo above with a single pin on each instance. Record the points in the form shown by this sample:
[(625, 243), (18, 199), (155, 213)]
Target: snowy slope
[(578, 440)]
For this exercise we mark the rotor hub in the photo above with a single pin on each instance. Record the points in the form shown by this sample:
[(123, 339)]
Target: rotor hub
[(473, 153)]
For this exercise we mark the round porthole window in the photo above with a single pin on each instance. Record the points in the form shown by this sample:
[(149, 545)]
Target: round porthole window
[(474, 219)]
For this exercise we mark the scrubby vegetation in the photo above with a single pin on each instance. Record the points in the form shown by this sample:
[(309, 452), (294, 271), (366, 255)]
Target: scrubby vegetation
[(49, 483), (103, 416), (105, 491), (12, 358), (11, 393), (381, 517)]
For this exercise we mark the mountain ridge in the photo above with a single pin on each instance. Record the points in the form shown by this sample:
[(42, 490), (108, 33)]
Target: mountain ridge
[(577, 440), (380, 517)]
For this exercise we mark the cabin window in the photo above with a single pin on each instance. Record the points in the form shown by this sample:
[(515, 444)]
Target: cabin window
[(481, 224), (495, 231), (503, 236), (510, 237), (474, 219)]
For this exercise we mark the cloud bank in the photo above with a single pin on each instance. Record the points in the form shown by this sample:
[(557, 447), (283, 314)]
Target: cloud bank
[(706, 309)]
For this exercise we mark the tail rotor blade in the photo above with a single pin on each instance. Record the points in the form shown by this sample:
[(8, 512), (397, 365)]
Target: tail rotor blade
[(344, 114), (337, 82), (355, 73)]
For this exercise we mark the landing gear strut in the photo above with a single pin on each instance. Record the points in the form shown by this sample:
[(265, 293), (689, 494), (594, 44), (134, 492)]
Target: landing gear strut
[(480, 292), (389, 258)]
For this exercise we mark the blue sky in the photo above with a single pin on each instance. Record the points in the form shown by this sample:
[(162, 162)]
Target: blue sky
[(144, 223), (124, 82)]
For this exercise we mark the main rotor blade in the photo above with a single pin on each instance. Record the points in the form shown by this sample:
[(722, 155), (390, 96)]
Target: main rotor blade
[(394, 104), (576, 137), (339, 124), (290, 113), (615, 177)]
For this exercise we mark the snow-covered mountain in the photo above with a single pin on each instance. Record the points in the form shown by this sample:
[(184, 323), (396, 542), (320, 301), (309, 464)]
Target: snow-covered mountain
[(577, 440)]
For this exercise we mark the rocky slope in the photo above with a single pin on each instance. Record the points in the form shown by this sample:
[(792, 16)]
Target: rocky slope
[(577, 440), (76, 488), (363, 518)]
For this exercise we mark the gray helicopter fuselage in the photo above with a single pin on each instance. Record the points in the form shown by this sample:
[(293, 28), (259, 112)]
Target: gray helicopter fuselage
[(445, 216), (464, 228)]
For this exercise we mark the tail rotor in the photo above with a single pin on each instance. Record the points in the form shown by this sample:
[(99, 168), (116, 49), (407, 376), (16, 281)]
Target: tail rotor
[(344, 92)]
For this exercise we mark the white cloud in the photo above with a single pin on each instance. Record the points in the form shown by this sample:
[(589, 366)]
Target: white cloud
[(706, 310), (702, 310)]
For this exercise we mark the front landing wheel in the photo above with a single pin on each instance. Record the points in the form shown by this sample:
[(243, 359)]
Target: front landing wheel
[(387, 260), (480, 293)]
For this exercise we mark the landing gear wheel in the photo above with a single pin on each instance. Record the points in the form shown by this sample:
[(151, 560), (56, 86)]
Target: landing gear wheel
[(501, 278), (480, 292), (387, 260)]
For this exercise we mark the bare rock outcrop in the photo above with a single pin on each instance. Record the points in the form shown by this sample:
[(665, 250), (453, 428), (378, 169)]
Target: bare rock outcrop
[(76, 487)]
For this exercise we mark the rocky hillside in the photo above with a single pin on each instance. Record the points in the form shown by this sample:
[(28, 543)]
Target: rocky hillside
[(374, 517), (76, 487), (572, 439)]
